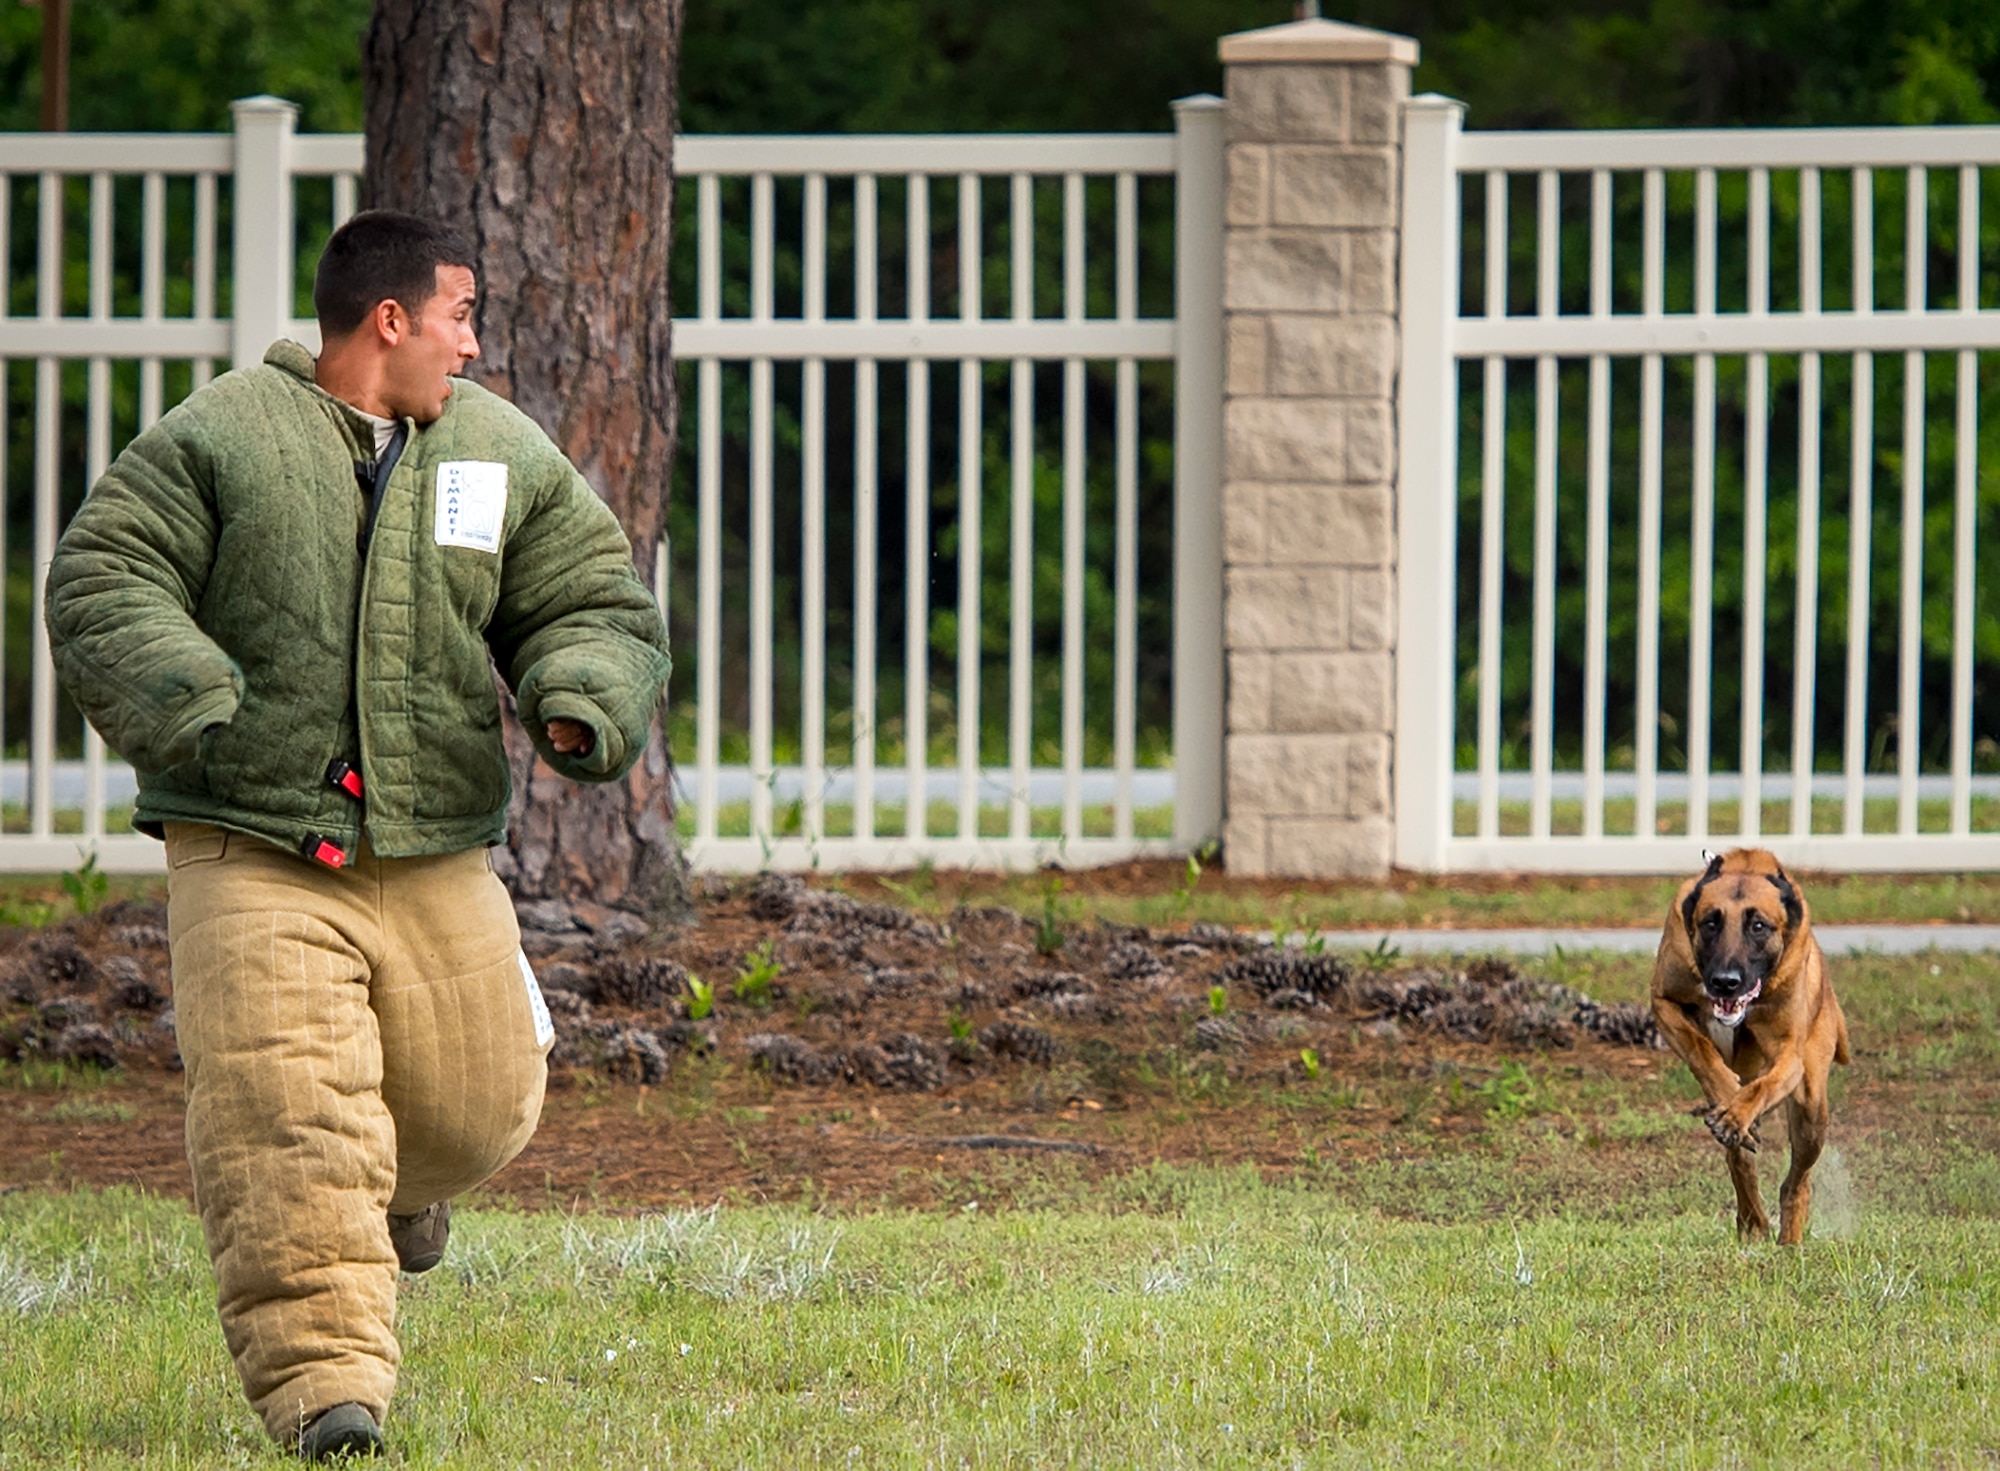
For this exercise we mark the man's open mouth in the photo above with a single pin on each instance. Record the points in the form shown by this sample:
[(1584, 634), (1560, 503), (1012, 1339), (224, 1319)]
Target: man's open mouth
[(1730, 1010)]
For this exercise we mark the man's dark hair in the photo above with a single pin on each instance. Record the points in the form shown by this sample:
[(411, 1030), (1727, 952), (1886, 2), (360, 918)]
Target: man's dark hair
[(382, 255)]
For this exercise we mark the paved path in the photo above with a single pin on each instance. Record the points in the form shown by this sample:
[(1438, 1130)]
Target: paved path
[(1835, 939)]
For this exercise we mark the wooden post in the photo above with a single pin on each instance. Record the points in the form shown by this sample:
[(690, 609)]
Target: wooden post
[(55, 66)]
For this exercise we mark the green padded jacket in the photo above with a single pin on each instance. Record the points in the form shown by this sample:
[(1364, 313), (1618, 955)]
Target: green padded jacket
[(214, 614)]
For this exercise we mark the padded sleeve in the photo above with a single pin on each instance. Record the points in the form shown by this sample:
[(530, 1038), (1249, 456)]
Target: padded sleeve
[(576, 632), (122, 590)]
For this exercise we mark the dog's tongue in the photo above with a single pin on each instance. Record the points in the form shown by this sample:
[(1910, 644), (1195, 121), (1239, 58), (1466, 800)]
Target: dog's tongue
[(1730, 1013)]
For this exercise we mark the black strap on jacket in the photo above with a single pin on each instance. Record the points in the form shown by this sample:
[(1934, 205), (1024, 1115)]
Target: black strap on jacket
[(374, 479)]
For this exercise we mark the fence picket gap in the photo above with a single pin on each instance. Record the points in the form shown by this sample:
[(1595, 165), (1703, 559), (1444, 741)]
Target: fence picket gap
[(1701, 589), (48, 509), (97, 459), (1492, 510), (1756, 465), (1597, 533), (1805, 632), (1646, 734), (1021, 551), (917, 525), (1125, 572), (1074, 309), (1548, 244)]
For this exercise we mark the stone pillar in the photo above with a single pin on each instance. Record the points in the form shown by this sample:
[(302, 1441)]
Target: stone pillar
[(1309, 298)]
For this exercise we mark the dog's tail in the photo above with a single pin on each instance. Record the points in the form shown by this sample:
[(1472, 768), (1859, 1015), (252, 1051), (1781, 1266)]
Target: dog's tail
[(1842, 1053)]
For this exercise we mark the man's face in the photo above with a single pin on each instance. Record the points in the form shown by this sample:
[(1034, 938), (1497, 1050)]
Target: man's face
[(436, 348)]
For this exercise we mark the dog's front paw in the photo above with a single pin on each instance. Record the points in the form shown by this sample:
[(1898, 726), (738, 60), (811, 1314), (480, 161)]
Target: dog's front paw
[(1729, 1131)]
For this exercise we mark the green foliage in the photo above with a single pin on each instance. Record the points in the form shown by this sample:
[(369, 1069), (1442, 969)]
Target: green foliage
[(1190, 878), (1309, 1060), (31, 1075), (760, 971), (701, 998), (1511, 1092), (175, 65), (1049, 932), (1218, 1000), (92, 1111), (86, 884), (26, 913), (1380, 956)]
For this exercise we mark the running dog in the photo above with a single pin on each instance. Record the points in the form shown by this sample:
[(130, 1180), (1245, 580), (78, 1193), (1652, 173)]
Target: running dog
[(1740, 992)]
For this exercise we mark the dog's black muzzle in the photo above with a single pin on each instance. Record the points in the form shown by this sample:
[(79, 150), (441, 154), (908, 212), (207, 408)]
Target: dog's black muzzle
[(1728, 981)]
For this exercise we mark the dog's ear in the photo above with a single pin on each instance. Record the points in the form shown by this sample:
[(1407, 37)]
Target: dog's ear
[(1795, 910), (1713, 871)]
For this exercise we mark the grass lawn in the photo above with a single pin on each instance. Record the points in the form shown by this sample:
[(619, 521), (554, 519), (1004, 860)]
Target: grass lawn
[(1164, 893), (1524, 1262), (1248, 1325)]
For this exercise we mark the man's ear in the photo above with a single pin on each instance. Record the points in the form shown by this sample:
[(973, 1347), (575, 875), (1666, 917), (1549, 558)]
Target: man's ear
[(389, 322)]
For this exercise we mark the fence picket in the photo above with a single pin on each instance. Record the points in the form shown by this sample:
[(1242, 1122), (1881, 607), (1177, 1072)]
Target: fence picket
[(1916, 234), (1965, 511), (867, 427)]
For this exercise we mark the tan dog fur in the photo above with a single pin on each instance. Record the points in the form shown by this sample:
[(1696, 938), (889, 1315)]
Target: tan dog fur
[(1744, 907)]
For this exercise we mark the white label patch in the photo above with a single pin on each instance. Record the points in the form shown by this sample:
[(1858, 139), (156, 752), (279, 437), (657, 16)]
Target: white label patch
[(545, 1027), (471, 504)]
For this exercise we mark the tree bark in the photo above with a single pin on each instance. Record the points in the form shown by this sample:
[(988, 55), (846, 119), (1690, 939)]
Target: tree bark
[(543, 130)]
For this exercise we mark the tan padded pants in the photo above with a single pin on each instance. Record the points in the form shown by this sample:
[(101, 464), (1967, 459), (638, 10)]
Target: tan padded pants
[(357, 1041)]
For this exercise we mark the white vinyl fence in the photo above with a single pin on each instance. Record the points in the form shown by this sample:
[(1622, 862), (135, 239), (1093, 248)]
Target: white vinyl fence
[(1711, 493), (946, 290), (1689, 477), (199, 254)]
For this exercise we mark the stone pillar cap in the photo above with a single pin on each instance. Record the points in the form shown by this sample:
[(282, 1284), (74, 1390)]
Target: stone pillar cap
[(1318, 40)]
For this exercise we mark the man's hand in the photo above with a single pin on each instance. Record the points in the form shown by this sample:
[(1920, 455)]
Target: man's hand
[(571, 737)]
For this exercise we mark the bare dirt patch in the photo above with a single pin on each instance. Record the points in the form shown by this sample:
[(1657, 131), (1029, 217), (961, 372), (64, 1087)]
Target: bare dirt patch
[(850, 1049)]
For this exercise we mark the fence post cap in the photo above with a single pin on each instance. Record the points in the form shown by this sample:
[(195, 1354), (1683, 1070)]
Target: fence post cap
[(1200, 102), (1433, 102), (1318, 40), (263, 104)]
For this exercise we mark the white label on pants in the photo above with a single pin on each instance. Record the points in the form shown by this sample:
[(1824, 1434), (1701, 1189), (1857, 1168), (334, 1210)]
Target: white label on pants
[(545, 1028)]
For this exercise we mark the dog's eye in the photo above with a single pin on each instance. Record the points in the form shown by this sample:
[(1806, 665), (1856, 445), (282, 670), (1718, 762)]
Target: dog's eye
[(1759, 926), (1712, 921)]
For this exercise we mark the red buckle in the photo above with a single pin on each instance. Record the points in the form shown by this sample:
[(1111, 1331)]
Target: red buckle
[(343, 777), (323, 850)]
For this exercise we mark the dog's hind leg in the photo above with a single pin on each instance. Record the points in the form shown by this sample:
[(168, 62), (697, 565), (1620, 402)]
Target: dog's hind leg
[(1751, 1222), (1805, 1117)]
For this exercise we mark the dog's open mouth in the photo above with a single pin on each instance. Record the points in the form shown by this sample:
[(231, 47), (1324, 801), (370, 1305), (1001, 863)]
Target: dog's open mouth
[(1730, 1010)]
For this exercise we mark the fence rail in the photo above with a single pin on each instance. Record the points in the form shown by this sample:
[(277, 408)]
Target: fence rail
[(208, 269)]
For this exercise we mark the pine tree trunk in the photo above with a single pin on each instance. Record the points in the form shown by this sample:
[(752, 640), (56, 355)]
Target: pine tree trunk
[(543, 130)]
